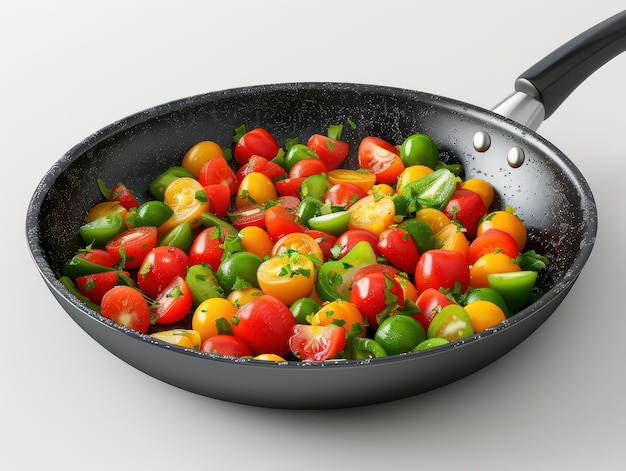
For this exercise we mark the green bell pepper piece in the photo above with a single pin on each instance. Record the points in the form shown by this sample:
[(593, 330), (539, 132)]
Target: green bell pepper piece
[(99, 231), (160, 183), (432, 191), (203, 284), (151, 213)]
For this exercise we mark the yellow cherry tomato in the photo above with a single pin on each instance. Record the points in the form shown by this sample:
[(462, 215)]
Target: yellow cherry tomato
[(506, 221), (364, 179), (255, 188), (199, 154), (300, 242), (288, 276), (451, 237), (105, 208), (182, 337), (343, 314), (481, 187), (269, 357), (382, 189), (241, 296), (256, 240), (484, 314), (411, 173), (434, 218), (495, 262), (373, 213), (188, 201), (209, 314)]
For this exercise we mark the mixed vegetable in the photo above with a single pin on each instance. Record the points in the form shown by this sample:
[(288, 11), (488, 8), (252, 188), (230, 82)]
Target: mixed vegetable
[(278, 253)]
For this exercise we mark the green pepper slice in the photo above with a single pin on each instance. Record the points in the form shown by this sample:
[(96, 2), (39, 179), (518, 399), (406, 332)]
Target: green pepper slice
[(315, 186), (99, 231), (180, 236), (296, 153), (151, 213), (160, 183), (203, 284), (78, 266), (432, 191)]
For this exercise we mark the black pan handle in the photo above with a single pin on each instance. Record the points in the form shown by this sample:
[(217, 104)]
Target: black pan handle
[(557, 75)]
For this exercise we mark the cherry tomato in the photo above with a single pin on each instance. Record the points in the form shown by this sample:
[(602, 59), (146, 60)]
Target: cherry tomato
[(95, 285), (255, 188), (97, 256), (484, 314), (434, 218), (398, 247), (316, 342), (257, 141), (256, 240), (287, 276), (452, 237), (159, 268), (289, 186), (468, 208), (217, 170), (126, 306), (506, 221), (492, 241), (399, 334), (199, 154), (207, 247), (380, 157), (239, 270), (440, 268), (343, 194), (219, 198), (331, 151), (342, 314), (213, 316), (451, 323), (515, 287), (419, 149), (226, 345), (265, 325), (307, 167), (325, 240), (254, 214), (346, 241), (262, 165), (372, 213), (280, 221), (241, 296), (104, 208), (122, 194), (300, 242), (188, 201), (132, 245), (186, 338), (173, 303), (497, 262), (431, 301), (376, 294), (364, 179), (484, 189)]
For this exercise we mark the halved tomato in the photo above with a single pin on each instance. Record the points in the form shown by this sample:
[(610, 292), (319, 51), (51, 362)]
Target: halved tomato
[(132, 245), (381, 157), (173, 303), (317, 342), (372, 213)]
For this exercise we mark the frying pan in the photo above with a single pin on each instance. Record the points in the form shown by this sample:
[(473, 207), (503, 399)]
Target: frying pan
[(501, 145)]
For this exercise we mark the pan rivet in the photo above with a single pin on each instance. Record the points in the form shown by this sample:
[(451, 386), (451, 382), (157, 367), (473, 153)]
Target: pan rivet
[(482, 141), (515, 157)]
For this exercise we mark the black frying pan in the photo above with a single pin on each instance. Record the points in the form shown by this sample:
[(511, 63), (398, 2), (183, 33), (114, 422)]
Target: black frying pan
[(529, 173)]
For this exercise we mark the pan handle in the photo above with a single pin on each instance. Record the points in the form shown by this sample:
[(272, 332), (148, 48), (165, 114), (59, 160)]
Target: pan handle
[(541, 89)]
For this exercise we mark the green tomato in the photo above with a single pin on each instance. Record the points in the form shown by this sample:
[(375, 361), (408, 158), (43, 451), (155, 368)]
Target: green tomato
[(239, 271), (451, 323), (333, 223), (151, 213), (202, 283), (419, 149), (399, 334), (303, 308), (487, 294), (515, 287), (99, 231), (430, 343)]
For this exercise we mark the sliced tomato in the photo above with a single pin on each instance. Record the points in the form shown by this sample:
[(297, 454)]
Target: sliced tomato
[(317, 342), (95, 285), (207, 247), (372, 213), (331, 151), (259, 164), (254, 214), (381, 157), (219, 198), (280, 221), (257, 141), (289, 186), (122, 194), (217, 170), (132, 245), (173, 303), (126, 306)]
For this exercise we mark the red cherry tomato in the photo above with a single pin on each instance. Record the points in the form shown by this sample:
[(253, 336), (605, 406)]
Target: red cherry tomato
[(259, 164), (159, 268), (265, 325), (227, 345), (219, 198), (430, 301), (280, 221), (376, 293), (133, 244), (126, 306), (346, 241), (257, 141), (95, 285), (207, 247), (124, 196), (466, 207), (344, 194), (439, 268), (173, 303), (217, 171), (398, 247), (380, 157), (317, 342), (98, 256), (289, 186), (331, 151), (307, 167), (325, 240), (491, 241)]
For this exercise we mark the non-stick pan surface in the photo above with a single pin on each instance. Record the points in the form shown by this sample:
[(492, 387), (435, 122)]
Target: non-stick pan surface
[(550, 195)]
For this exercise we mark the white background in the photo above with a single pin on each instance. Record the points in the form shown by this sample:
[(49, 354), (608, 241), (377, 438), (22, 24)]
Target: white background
[(68, 68)]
